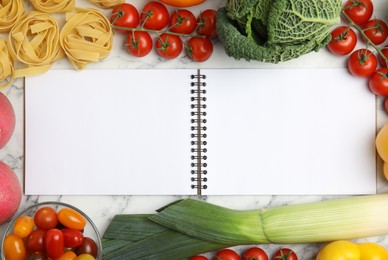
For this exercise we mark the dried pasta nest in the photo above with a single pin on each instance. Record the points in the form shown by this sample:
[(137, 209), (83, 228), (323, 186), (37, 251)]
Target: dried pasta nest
[(6, 65), (10, 12), (53, 6), (34, 41), (86, 37), (106, 4)]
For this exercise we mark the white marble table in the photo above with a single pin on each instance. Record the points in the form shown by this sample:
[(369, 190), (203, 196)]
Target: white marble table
[(102, 208)]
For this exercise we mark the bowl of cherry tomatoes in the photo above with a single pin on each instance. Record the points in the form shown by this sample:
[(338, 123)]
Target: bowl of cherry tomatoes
[(51, 230)]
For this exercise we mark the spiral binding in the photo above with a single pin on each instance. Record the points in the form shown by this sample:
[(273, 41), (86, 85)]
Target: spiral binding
[(198, 133)]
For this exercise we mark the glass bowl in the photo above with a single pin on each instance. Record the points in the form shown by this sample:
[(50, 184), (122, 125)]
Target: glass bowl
[(90, 229)]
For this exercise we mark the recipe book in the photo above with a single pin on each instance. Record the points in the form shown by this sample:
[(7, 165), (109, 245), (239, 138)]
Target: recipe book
[(207, 131)]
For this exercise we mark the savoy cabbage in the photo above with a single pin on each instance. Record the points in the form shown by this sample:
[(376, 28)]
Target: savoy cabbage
[(276, 30)]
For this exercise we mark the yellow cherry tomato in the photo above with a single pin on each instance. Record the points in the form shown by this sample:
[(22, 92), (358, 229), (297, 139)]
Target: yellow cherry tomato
[(382, 143), (13, 248), (339, 250), (85, 257), (71, 218), (69, 255), (23, 226), (372, 251), (385, 170), (182, 3)]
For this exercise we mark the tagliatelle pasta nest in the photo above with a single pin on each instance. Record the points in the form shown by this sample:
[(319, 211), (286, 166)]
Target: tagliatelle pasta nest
[(86, 37), (6, 65), (53, 6), (10, 12), (106, 4), (34, 41)]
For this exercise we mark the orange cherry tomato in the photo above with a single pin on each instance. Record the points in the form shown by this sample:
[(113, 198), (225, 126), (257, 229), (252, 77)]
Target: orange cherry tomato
[(23, 226), (69, 255), (71, 218), (182, 3), (14, 248)]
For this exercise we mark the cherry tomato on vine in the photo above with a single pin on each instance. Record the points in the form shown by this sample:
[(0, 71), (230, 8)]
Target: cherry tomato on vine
[(285, 254), (254, 253), (35, 241), (384, 51), (226, 254), (169, 46), (376, 30), (154, 16), (199, 49), (378, 82), (54, 243), (206, 23), (386, 104), (360, 11), (362, 63), (198, 257), (46, 218), (182, 21), (138, 43), (343, 40), (124, 15), (13, 248)]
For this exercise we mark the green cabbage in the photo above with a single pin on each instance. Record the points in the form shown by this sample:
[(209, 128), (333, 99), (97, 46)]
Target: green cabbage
[(276, 30)]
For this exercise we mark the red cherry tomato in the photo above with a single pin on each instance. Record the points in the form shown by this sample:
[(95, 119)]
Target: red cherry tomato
[(285, 254), (182, 21), (376, 30), (362, 63), (35, 241), (360, 11), (254, 253), (154, 16), (206, 22), (37, 256), (46, 218), (378, 82), (88, 246), (13, 248), (72, 238), (386, 104), (125, 15), (226, 254), (385, 53), (54, 243), (343, 40), (169, 46), (199, 49), (71, 218), (139, 43)]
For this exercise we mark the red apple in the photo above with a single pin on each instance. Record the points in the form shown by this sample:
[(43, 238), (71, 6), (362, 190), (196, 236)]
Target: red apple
[(7, 120), (10, 193)]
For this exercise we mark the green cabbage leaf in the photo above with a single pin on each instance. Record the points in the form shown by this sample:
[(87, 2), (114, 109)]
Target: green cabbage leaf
[(276, 30)]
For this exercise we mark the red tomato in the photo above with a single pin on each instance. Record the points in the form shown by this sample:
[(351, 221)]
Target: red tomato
[(360, 11), (37, 256), (72, 238), (124, 15), (138, 43), (376, 30), (385, 53), (285, 254), (378, 82), (88, 246), (71, 218), (206, 22), (386, 104), (199, 49), (198, 257), (54, 243), (255, 253), (46, 218), (154, 16), (362, 63), (226, 254), (35, 241), (169, 46), (343, 40), (182, 21), (13, 248)]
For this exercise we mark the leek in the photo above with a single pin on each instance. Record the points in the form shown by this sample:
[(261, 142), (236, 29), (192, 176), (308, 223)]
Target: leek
[(209, 227)]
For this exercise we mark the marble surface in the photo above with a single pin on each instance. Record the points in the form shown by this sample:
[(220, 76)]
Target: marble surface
[(102, 208)]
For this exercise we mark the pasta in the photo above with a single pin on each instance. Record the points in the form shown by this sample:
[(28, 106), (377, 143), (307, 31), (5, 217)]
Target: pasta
[(86, 37), (10, 12), (6, 65), (106, 4), (53, 6)]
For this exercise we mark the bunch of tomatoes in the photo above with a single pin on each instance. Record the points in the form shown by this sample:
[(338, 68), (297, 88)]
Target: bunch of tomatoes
[(50, 235), (363, 62), (249, 254), (155, 19)]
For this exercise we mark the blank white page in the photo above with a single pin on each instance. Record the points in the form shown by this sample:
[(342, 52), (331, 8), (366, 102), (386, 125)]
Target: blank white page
[(108, 132), (289, 131)]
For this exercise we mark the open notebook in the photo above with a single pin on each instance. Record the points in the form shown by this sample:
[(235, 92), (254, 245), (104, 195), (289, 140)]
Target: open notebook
[(208, 131)]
